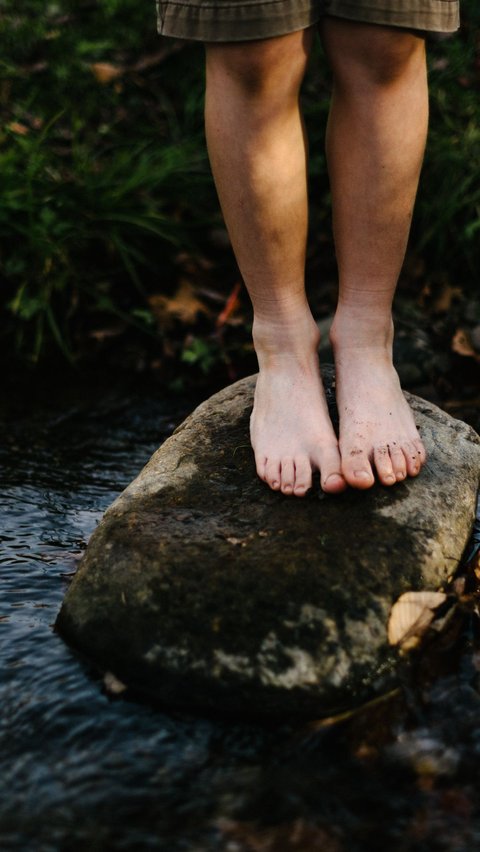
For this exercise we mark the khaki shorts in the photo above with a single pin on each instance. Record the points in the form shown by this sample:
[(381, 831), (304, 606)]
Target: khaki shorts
[(242, 20)]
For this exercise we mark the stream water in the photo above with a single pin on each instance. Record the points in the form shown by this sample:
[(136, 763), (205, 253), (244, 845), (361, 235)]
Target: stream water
[(80, 770)]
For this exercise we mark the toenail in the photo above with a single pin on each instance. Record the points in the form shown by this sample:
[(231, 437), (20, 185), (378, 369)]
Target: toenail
[(390, 478), (400, 475), (275, 483), (362, 474), (332, 476)]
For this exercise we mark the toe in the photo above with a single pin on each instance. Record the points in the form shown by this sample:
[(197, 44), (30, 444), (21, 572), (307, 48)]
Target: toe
[(303, 476), (421, 453), (329, 464), (287, 471), (356, 468), (398, 461), (272, 473), (383, 465), (412, 458)]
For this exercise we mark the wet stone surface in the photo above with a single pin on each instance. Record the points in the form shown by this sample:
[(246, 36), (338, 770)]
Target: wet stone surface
[(204, 589)]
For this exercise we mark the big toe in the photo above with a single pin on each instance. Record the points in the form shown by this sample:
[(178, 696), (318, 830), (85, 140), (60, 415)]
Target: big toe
[(356, 468), (329, 464)]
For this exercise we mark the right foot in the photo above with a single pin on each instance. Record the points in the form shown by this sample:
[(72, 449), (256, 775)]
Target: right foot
[(290, 428)]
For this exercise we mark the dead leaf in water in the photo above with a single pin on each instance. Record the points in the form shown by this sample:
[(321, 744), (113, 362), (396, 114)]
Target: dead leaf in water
[(410, 617)]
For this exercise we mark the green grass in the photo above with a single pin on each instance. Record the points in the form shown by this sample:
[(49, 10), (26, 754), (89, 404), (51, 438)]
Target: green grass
[(96, 178), (106, 185), (447, 224)]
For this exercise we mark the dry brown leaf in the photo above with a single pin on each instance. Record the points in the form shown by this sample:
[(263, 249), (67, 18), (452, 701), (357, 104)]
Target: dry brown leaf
[(184, 305), (411, 615), (461, 344), (232, 304), (17, 127), (101, 334), (447, 295), (105, 72)]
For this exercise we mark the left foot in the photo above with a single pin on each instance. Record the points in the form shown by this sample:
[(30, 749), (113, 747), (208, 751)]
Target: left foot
[(377, 428)]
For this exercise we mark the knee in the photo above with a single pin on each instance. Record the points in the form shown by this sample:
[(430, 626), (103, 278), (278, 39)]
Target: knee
[(392, 57), (259, 68), (375, 55)]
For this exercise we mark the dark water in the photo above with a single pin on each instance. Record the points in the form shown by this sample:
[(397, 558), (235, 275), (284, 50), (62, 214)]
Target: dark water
[(80, 770)]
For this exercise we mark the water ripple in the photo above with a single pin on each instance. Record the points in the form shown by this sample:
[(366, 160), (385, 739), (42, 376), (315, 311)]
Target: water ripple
[(82, 771)]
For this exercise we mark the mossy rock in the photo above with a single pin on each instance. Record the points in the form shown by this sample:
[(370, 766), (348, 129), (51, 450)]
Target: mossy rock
[(203, 589)]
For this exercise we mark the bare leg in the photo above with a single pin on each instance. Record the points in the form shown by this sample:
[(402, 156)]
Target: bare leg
[(257, 150), (375, 143)]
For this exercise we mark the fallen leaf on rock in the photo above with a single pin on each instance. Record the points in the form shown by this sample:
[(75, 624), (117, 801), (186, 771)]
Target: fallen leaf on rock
[(411, 615)]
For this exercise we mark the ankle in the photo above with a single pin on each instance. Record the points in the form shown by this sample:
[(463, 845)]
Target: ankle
[(356, 331), (285, 337)]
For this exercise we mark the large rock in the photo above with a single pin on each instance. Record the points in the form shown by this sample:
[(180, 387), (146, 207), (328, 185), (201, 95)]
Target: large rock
[(204, 589)]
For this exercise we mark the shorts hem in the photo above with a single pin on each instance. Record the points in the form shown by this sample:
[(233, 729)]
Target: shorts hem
[(250, 20), (440, 16), (233, 21)]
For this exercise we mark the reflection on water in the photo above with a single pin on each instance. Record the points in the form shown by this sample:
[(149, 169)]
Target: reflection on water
[(82, 771)]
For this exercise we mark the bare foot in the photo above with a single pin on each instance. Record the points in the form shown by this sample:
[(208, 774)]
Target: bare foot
[(377, 428), (290, 427)]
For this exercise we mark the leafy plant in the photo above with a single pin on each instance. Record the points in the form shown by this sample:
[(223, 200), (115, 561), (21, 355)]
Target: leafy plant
[(105, 179)]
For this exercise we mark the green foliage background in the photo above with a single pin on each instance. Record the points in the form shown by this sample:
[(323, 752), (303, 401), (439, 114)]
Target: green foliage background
[(106, 186)]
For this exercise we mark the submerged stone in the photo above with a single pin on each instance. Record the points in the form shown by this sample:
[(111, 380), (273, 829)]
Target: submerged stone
[(203, 589)]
